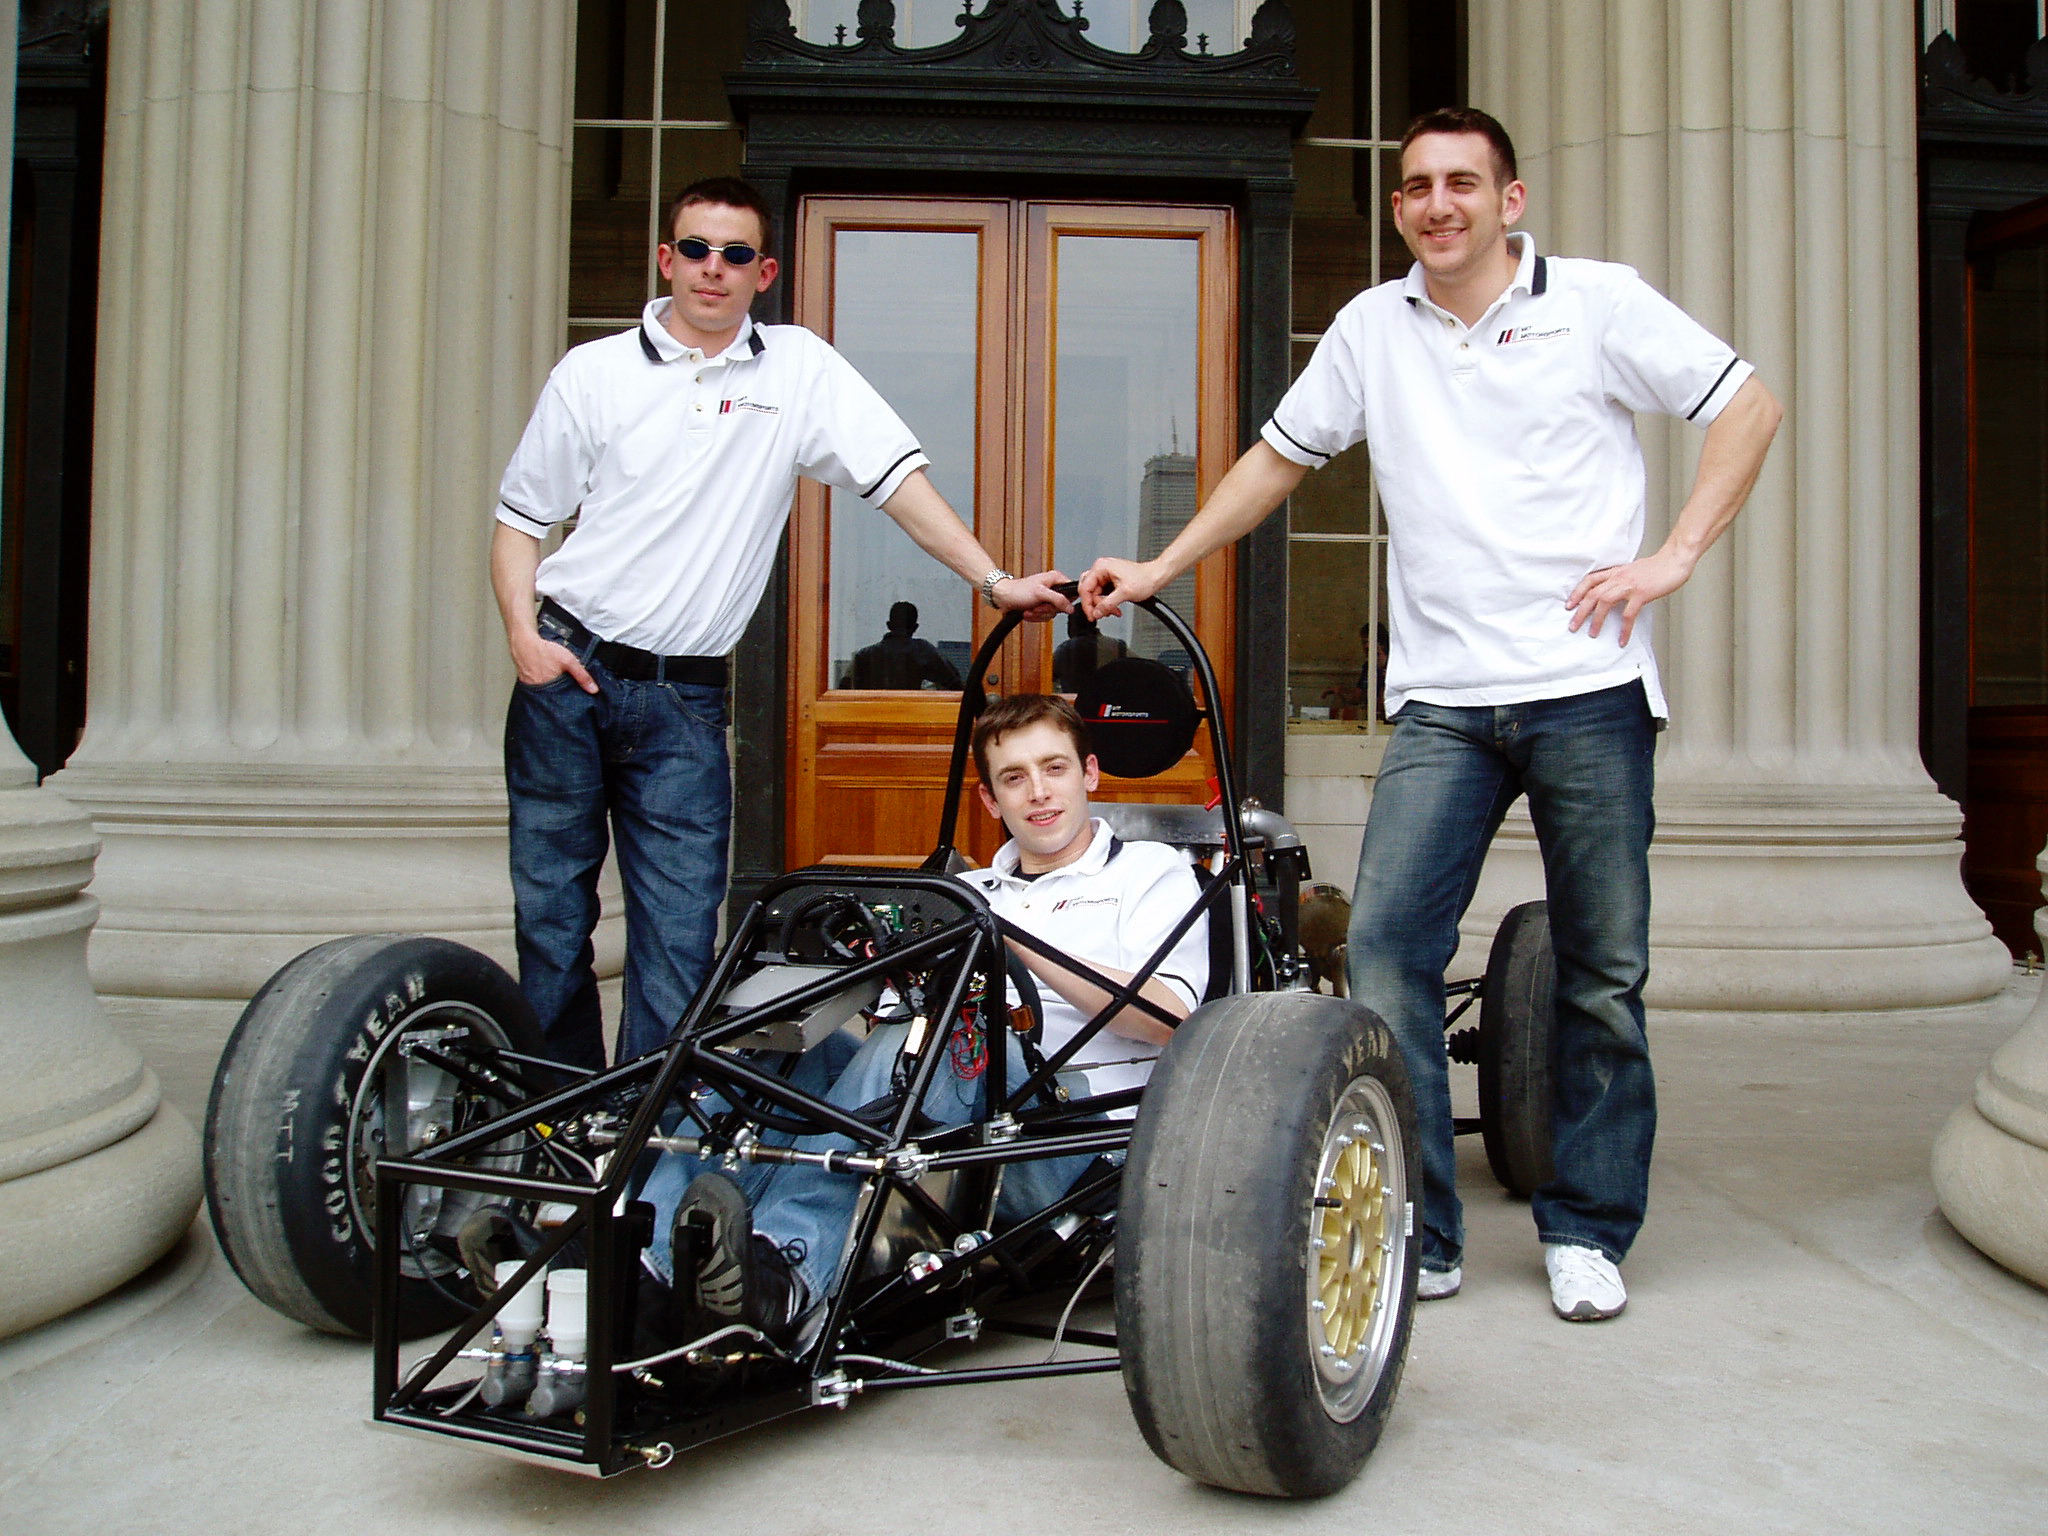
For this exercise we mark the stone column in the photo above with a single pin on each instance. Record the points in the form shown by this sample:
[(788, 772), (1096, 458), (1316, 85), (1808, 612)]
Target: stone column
[(332, 281), (1991, 1159), (98, 1177), (1755, 160)]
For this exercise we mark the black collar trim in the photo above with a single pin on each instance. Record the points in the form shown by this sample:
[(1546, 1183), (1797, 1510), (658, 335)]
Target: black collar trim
[(1541, 280), (1116, 846), (755, 345)]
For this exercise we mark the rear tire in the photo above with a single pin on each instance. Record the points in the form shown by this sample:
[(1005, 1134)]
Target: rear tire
[(1265, 1277), (319, 1066), (1517, 1023)]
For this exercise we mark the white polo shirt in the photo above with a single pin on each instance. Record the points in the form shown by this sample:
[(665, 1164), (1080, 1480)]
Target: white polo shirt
[(1507, 459), (1113, 907), (683, 467)]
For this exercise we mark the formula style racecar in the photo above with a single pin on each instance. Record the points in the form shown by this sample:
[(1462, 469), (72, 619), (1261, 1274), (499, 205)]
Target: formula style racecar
[(1255, 1217)]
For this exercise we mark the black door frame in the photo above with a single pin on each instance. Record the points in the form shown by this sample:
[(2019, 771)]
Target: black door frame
[(1982, 152), (60, 110), (1022, 105)]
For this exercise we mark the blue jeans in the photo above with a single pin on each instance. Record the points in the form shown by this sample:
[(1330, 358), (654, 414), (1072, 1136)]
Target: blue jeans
[(813, 1209), (1449, 775), (644, 762)]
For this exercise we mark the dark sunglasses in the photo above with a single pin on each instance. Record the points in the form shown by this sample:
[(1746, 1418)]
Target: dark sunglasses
[(690, 248)]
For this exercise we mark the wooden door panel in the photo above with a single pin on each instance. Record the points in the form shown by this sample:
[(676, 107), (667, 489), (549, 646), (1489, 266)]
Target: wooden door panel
[(2005, 823), (868, 767), (2005, 814)]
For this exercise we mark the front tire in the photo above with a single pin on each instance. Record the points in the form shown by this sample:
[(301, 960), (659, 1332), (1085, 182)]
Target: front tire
[(324, 1074), (1265, 1277)]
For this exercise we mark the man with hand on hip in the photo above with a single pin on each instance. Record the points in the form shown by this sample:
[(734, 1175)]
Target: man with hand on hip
[(1496, 390)]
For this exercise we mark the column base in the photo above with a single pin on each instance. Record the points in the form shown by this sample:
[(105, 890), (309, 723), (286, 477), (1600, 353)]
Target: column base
[(71, 1233), (1787, 898), (1993, 1188), (211, 877), (98, 1177), (1991, 1159)]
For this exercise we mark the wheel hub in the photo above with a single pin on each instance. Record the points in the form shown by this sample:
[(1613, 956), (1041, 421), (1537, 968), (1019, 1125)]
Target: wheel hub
[(404, 1103), (1357, 1241), (1353, 1230)]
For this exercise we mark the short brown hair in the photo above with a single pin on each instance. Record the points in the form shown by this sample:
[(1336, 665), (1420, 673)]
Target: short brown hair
[(1467, 120), (725, 192), (1020, 711)]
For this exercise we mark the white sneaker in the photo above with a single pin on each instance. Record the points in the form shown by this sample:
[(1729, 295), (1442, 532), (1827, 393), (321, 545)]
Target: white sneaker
[(1584, 1284), (1438, 1284)]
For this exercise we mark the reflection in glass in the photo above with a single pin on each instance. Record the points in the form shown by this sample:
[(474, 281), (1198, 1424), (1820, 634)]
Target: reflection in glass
[(1337, 633), (904, 312), (1085, 650), (1125, 361)]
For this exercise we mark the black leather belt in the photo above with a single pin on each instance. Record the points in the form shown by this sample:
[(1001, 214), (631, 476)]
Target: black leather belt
[(638, 666)]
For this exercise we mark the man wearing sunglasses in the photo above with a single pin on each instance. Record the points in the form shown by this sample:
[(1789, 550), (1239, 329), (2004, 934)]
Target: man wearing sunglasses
[(676, 446)]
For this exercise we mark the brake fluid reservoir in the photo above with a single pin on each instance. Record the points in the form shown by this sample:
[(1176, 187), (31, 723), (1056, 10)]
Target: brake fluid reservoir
[(519, 1312), (568, 1312)]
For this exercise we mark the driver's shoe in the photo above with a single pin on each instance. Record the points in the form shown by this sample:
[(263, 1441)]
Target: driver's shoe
[(489, 1236), (740, 1275)]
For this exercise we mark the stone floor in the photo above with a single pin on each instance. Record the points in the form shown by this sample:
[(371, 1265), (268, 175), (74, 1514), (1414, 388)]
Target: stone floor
[(1808, 1348)]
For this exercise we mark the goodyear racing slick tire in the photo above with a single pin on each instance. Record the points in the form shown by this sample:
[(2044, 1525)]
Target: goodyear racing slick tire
[(1265, 1268), (317, 1073), (1517, 1017)]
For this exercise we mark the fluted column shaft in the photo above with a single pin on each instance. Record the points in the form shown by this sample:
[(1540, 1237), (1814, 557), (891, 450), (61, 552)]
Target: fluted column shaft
[(334, 266), (1755, 160)]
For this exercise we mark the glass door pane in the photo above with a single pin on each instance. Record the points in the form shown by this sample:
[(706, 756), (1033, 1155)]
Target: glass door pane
[(905, 311), (1129, 422), (1125, 416)]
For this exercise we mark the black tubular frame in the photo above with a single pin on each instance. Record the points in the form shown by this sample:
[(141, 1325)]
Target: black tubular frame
[(631, 1419)]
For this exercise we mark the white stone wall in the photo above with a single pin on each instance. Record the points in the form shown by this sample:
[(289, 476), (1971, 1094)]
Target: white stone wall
[(333, 280), (1756, 162)]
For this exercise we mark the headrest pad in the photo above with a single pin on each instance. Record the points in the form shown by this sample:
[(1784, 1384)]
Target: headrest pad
[(1141, 717)]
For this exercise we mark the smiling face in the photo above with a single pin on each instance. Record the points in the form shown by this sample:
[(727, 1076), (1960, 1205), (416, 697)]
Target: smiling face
[(1039, 786), (712, 296), (1453, 211)]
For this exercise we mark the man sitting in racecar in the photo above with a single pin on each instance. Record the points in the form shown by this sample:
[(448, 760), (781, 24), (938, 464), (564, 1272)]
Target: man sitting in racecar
[(769, 1239)]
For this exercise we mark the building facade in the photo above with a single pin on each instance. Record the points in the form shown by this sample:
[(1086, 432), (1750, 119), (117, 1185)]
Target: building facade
[(343, 245)]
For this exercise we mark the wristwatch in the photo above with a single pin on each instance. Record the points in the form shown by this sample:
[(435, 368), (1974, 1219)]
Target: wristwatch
[(988, 584)]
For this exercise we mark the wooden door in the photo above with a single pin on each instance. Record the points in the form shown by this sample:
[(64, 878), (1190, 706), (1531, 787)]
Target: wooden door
[(1070, 369), (2005, 815)]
